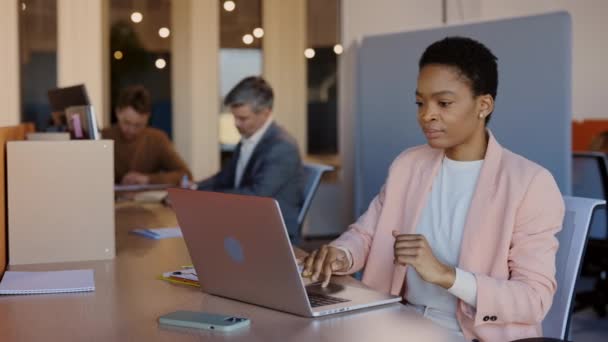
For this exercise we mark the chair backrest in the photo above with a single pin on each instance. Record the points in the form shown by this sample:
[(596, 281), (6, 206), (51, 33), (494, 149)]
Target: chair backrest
[(590, 180), (572, 240), (311, 176)]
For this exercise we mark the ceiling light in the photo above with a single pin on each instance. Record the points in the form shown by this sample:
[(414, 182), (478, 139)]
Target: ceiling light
[(164, 32), (160, 63), (258, 32), (309, 53), (229, 6), (247, 39), (338, 49), (136, 17)]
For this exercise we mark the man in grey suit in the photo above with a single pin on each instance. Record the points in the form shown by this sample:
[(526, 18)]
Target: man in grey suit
[(266, 161)]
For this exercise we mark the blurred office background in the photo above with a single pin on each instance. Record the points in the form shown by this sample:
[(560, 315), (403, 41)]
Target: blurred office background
[(188, 54), (138, 35)]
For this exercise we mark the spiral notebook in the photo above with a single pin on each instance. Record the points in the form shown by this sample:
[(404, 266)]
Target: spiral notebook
[(14, 283)]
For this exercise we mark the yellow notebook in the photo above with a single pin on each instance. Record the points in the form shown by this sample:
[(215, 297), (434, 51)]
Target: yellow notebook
[(184, 276)]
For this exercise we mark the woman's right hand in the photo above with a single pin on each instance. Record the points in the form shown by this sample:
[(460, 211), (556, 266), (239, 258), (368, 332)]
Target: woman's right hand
[(324, 261)]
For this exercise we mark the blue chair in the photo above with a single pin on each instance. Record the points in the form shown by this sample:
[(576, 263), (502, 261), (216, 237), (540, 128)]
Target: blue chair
[(590, 179), (572, 241), (311, 176)]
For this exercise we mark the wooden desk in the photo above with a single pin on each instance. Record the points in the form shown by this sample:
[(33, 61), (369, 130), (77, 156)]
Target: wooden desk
[(129, 299)]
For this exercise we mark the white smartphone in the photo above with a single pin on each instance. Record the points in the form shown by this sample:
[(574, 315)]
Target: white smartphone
[(202, 320)]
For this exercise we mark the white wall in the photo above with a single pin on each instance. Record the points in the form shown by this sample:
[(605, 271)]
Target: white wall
[(590, 50), (364, 17)]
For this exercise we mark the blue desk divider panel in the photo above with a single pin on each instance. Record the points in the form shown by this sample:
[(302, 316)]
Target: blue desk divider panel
[(533, 110)]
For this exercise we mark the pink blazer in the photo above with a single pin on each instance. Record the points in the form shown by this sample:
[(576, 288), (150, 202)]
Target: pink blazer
[(509, 239)]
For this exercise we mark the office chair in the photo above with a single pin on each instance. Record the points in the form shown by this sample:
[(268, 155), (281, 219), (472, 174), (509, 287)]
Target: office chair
[(572, 240), (311, 176), (590, 179)]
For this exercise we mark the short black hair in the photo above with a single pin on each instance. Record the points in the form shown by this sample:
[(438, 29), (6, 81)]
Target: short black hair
[(136, 97), (254, 91), (472, 59)]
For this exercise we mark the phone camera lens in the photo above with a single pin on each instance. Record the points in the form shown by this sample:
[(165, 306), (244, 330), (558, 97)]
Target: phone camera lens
[(234, 319)]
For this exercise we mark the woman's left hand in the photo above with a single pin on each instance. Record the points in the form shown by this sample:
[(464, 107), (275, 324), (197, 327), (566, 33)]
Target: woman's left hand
[(414, 250)]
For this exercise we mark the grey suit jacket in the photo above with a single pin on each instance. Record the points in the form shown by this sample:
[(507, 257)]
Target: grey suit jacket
[(274, 170)]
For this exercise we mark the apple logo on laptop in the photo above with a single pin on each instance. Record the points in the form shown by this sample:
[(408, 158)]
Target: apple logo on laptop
[(234, 249)]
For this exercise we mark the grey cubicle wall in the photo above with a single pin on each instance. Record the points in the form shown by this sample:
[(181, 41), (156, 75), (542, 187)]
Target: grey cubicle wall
[(532, 115)]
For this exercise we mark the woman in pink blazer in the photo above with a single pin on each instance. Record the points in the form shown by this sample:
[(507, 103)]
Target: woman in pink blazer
[(463, 228)]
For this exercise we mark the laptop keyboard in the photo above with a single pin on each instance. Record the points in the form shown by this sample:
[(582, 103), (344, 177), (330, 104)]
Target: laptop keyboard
[(317, 300)]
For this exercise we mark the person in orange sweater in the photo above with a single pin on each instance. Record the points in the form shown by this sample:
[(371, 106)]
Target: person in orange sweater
[(142, 154)]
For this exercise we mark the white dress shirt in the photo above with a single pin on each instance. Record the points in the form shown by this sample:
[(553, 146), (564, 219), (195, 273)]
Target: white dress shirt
[(247, 147), (442, 223)]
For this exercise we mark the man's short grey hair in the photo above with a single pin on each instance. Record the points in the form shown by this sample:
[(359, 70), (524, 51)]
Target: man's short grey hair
[(253, 91)]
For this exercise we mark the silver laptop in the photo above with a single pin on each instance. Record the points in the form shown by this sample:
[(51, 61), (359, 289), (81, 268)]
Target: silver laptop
[(240, 249)]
